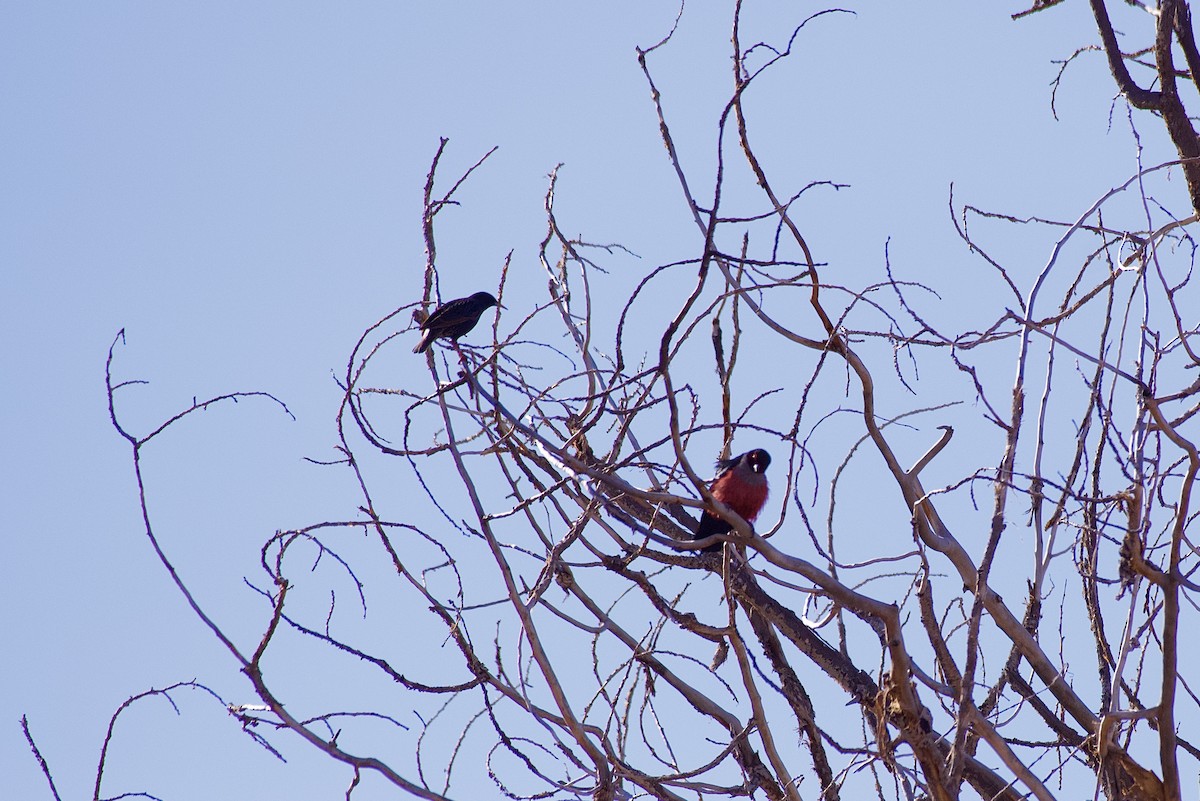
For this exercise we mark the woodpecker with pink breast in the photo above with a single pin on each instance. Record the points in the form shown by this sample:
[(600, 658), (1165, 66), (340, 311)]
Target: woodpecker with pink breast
[(741, 484)]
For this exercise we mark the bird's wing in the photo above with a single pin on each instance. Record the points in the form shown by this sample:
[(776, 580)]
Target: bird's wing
[(456, 311), (725, 465)]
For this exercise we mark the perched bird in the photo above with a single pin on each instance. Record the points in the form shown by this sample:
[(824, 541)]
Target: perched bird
[(453, 319), (741, 484)]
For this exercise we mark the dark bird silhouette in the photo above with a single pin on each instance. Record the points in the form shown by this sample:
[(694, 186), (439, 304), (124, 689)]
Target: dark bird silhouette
[(453, 319), (741, 484)]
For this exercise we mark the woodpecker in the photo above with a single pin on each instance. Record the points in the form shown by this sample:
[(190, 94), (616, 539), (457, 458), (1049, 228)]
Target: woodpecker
[(741, 484), (453, 319)]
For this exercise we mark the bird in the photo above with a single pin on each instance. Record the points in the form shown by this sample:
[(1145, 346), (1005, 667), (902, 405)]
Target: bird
[(741, 484), (453, 319)]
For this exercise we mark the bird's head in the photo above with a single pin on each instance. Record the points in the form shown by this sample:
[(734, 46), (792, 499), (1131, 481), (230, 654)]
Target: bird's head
[(757, 460), (484, 300)]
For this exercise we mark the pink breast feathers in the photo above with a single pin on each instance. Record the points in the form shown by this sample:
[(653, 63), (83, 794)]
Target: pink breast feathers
[(744, 497)]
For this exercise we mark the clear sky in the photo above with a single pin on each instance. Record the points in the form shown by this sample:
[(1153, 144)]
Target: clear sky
[(237, 186)]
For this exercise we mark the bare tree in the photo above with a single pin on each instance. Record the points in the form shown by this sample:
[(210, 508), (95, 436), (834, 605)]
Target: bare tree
[(1012, 626)]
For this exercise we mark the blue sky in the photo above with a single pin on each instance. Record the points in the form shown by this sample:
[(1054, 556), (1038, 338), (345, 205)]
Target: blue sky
[(238, 187)]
